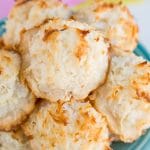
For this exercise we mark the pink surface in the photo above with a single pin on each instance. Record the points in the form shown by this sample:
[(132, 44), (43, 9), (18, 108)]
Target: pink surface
[(72, 2), (5, 6)]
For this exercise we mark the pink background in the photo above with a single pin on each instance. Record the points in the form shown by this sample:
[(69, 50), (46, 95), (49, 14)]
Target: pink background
[(5, 5), (72, 2)]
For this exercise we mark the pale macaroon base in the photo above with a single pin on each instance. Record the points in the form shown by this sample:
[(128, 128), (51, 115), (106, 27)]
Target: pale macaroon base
[(73, 124), (125, 97), (14, 140), (16, 101), (28, 14), (115, 22), (64, 59)]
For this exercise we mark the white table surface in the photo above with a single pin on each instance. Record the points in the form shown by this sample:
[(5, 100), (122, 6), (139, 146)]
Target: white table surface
[(141, 12)]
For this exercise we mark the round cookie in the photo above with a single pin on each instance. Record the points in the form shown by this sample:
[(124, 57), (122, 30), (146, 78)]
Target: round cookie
[(64, 59), (16, 101), (115, 22), (73, 124), (125, 97), (29, 13)]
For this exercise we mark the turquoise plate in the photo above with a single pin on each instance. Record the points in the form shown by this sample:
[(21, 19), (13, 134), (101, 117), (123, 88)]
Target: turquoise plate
[(143, 143)]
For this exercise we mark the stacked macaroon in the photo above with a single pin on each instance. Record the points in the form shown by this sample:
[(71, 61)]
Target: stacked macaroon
[(69, 79)]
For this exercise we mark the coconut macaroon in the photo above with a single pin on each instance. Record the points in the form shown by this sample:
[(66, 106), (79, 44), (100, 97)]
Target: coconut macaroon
[(125, 98), (75, 125), (115, 21), (29, 13), (14, 140), (16, 101), (64, 59)]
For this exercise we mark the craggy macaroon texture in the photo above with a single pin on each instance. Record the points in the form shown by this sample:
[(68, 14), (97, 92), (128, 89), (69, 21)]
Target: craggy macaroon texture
[(1, 42), (64, 59), (16, 101), (75, 125), (125, 98), (115, 22), (30, 13), (14, 140)]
